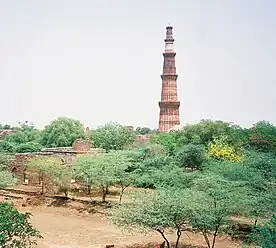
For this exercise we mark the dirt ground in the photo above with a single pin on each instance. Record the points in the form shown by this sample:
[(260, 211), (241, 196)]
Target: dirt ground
[(67, 228)]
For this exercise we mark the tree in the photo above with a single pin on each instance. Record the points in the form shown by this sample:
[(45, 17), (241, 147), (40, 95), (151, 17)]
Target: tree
[(263, 162), (46, 167), (124, 175), (211, 214), (63, 180), (153, 150), (156, 211), (143, 130), (15, 228), (206, 130), (191, 156), (62, 132), (26, 138), (262, 137), (169, 140), (4, 161), (6, 178), (112, 136), (104, 170), (28, 147)]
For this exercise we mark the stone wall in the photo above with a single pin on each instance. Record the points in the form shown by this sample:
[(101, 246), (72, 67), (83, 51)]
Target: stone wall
[(67, 155), (81, 146)]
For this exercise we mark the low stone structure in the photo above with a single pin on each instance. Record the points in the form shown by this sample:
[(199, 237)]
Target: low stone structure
[(67, 155), (5, 132)]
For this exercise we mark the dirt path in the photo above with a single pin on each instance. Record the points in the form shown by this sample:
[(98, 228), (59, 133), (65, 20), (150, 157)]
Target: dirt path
[(65, 228)]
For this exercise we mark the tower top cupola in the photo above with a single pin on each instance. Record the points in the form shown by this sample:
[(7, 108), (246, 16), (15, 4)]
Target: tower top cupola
[(169, 40)]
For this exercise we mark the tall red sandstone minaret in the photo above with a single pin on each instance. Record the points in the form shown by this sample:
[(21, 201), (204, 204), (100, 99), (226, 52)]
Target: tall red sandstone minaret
[(169, 104)]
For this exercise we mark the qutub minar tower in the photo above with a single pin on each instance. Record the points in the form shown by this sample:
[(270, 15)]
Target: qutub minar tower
[(169, 104)]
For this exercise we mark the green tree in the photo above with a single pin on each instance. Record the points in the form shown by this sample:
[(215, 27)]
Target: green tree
[(143, 130), (16, 231), (263, 137), (263, 162), (28, 147), (46, 167), (168, 140), (112, 136), (103, 170), (156, 211), (4, 161), (6, 178), (26, 138), (62, 132), (63, 179), (191, 156)]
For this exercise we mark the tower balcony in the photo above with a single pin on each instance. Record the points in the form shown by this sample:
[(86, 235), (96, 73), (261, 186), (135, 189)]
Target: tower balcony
[(175, 104)]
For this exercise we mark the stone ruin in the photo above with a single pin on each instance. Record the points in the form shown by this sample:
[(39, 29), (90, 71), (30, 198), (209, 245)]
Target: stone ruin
[(67, 155)]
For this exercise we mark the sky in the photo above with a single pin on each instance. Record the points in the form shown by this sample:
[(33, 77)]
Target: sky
[(101, 61)]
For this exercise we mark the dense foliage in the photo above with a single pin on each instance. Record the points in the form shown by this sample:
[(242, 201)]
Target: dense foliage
[(197, 177), (112, 136), (62, 132), (26, 138), (190, 156), (16, 231)]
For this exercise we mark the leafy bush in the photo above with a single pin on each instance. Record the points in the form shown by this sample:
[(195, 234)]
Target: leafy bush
[(4, 161), (153, 150), (112, 136), (28, 147), (25, 139), (15, 228), (265, 236), (263, 162), (167, 140), (262, 137), (62, 132), (190, 156), (6, 179), (219, 149)]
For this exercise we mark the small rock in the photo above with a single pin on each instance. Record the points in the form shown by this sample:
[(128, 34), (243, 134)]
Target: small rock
[(109, 246), (24, 202)]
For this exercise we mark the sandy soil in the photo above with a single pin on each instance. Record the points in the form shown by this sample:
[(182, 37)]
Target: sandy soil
[(66, 228)]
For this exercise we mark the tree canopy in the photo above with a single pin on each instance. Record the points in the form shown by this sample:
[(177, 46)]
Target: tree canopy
[(62, 132), (112, 136)]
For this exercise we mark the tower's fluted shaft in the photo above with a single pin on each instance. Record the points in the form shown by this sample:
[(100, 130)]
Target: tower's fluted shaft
[(169, 104)]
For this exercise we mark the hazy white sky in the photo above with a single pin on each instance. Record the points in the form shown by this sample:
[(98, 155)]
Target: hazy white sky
[(100, 61)]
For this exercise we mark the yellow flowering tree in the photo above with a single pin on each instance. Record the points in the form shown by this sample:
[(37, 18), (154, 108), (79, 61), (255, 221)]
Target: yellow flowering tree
[(219, 149)]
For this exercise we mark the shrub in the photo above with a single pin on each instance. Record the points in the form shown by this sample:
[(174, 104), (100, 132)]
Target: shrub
[(15, 228), (218, 149), (28, 147), (191, 156)]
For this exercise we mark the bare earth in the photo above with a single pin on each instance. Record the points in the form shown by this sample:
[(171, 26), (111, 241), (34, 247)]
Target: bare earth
[(66, 228)]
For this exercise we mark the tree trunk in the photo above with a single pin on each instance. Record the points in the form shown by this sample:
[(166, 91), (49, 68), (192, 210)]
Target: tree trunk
[(104, 194), (88, 189), (107, 190), (122, 192), (43, 184), (164, 237), (178, 237)]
